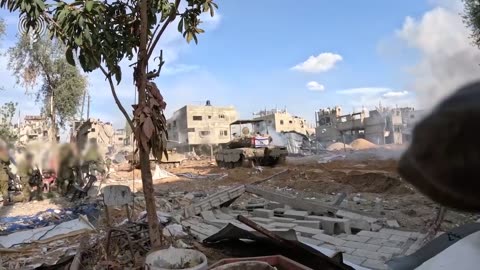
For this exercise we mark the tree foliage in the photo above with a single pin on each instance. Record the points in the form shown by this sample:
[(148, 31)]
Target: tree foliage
[(471, 18), (43, 62), (7, 112)]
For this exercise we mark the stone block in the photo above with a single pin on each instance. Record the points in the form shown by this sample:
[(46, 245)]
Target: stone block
[(274, 205), (358, 260), (262, 213), (282, 219), (309, 240), (208, 215), (357, 238), (390, 250), (397, 232), (375, 264), (283, 225), (295, 214), (358, 245), (385, 242), (399, 238), (329, 239), (315, 224), (375, 234), (262, 220), (372, 254), (307, 232)]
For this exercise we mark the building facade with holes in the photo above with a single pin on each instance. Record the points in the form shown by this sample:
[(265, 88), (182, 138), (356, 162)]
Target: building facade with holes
[(194, 125), (282, 121)]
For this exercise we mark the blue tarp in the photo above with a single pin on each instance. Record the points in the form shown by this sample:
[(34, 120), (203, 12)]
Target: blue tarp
[(45, 218)]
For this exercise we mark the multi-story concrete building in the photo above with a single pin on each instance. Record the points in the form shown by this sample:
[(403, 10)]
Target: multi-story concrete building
[(380, 126), (200, 125), (282, 121), (33, 128)]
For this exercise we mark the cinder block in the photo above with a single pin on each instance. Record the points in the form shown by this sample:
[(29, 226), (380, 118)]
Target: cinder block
[(398, 232), (329, 239), (390, 250), (358, 260), (375, 264), (283, 225), (333, 225), (262, 213), (315, 224), (309, 240), (375, 234), (262, 220), (357, 238), (274, 205), (399, 238), (307, 232), (372, 254), (361, 246), (295, 214), (282, 219)]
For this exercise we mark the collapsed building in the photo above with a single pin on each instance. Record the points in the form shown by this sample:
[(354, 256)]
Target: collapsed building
[(34, 128), (380, 126), (103, 132), (199, 125), (282, 121)]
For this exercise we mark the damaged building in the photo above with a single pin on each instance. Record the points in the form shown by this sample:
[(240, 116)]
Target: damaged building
[(380, 126), (283, 121), (197, 125), (34, 128)]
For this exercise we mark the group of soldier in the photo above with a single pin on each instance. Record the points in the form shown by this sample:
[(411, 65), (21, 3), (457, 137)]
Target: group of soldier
[(70, 169)]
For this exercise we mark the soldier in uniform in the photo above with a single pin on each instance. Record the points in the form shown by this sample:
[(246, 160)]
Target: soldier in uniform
[(31, 179), (65, 170), (4, 171), (92, 160)]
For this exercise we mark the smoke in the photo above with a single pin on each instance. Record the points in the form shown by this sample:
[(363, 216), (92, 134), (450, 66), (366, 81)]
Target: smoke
[(448, 58)]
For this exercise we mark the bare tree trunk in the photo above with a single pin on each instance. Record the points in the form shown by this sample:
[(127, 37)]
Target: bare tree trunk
[(141, 81), (53, 124)]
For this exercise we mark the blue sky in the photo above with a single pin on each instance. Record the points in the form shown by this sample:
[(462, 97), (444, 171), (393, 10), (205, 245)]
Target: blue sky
[(304, 55)]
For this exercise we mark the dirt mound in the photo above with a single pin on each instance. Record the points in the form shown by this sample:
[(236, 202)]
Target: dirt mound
[(375, 183), (362, 144), (338, 146)]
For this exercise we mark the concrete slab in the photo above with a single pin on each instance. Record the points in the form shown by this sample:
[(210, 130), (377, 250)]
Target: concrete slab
[(362, 246), (282, 219), (329, 239), (262, 220), (375, 234), (295, 214), (372, 254), (208, 215), (307, 232), (315, 224), (357, 238), (283, 225), (262, 213), (397, 232), (385, 242), (399, 238)]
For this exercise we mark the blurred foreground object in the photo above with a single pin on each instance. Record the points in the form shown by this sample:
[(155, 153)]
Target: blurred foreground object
[(443, 160)]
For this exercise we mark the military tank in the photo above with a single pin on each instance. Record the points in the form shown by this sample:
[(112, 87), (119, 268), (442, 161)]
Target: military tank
[(250, 148), (174, 160)]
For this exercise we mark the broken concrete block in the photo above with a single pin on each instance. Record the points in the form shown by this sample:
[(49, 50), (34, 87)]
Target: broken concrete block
[(282, 219), (307, 232), (283, 225), (262, 220), (333, 225), (262, 213), (315, 224), (208, 215), (329, 239), (295, 214), (392, 223), (274, 205)]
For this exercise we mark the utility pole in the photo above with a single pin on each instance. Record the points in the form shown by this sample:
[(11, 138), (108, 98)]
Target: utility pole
[(88, 107), (83, 104)]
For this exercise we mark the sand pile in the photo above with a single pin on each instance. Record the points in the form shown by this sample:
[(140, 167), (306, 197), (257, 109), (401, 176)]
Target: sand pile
[(338, 146), (361, 144)]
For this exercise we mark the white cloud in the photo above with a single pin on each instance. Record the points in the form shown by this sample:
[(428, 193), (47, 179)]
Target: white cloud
[(395, 94), (320, 63), (448, 59), (315, 86), (363, 90)]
